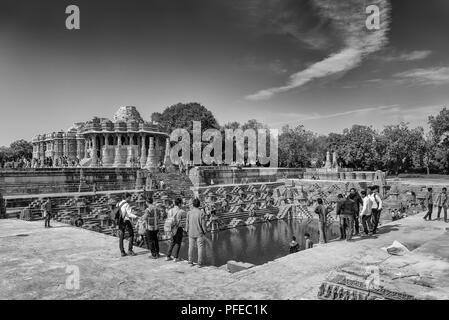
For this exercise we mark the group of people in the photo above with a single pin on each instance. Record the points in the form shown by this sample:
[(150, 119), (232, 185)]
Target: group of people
[(15, 163), (294, 245), (441, 202), (364, 208), (147, 227)]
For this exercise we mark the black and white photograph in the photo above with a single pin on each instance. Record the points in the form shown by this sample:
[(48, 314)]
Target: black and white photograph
[(224, 154)]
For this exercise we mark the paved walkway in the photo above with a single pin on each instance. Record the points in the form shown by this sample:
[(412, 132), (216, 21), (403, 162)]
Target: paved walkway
[(35, 263)]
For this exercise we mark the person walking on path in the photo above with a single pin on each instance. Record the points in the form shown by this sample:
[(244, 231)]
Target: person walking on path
[(174, 217), (366, 213), (442, 203), (123, 216), (429, 203), (46, 208), (150, 218), (196, 229)]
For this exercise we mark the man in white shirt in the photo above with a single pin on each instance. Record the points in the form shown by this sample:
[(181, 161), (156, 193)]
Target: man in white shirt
[(376, 208), (124, 216), (366, 212)]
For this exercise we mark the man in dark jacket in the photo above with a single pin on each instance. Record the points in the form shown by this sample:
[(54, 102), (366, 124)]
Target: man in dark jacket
[(340, 201), (359, 202), (348, 211)]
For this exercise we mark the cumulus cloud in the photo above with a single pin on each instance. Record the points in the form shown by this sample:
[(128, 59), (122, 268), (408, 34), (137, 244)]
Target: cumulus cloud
[(425, 76), (348, 19)]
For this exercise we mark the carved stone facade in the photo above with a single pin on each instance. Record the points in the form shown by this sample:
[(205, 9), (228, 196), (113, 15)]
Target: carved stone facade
[(127, 142)]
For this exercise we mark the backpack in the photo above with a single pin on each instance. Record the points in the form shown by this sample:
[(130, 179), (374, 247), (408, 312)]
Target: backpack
[(117, 214), (141, 227), (169, 223), (151, 219)]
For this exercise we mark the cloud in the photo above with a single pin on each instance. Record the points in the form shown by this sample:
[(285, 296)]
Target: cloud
[(348, 19), (410, 56), (425, 76), (377, 116), (294, 117)]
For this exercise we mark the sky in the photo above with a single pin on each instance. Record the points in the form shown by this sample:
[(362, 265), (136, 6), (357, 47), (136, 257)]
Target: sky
[(282, 62)]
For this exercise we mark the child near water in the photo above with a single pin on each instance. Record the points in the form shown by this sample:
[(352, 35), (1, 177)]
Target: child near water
[(294, 246), (308, 242)]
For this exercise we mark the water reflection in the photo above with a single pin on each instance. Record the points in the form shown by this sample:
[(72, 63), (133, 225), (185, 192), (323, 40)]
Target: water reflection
[(257, 243)]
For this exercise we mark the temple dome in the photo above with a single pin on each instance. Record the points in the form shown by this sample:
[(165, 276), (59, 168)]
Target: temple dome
[(126, 114)]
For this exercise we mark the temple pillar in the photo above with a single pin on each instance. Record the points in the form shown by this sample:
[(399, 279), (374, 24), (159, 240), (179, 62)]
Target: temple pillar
[(120, 153), (131, 151), (42, 152), (167, 161), (94, 156), (151, 160), (80, 147), (143, 152), (53, 152), (108, 152)]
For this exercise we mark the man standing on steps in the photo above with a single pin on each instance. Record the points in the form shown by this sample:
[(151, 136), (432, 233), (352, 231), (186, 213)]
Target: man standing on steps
[(123, 217), (174, 218), (442, 203), (196, 229)]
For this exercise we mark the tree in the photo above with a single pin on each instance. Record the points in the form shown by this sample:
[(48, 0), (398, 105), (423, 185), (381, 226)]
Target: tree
[(439, 128), (401, 145), (356, 147), (181, 115), (21, 148), (295, 147)]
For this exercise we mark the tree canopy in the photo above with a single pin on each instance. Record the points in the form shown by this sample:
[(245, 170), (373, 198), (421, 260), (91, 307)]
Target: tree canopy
[(181, 115)]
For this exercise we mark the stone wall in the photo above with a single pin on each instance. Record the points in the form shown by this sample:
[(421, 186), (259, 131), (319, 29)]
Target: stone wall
[(41, 181), (204, 176)]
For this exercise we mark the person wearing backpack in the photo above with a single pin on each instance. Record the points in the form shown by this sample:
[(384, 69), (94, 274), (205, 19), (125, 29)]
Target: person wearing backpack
[(174, 228), (123, 217), (150, 224)]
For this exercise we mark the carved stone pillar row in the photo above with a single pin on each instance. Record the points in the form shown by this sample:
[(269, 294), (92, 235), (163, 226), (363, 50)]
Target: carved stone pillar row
[(94, 162), (151, 160), (143, 152)]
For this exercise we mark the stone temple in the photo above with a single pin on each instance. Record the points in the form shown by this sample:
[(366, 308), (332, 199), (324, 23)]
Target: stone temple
[(126, 141)]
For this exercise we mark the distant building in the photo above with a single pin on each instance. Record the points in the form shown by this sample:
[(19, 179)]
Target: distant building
[(127, 141)]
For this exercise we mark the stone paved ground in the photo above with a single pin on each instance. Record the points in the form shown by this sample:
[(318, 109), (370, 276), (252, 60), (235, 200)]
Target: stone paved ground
[(34, 260)]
